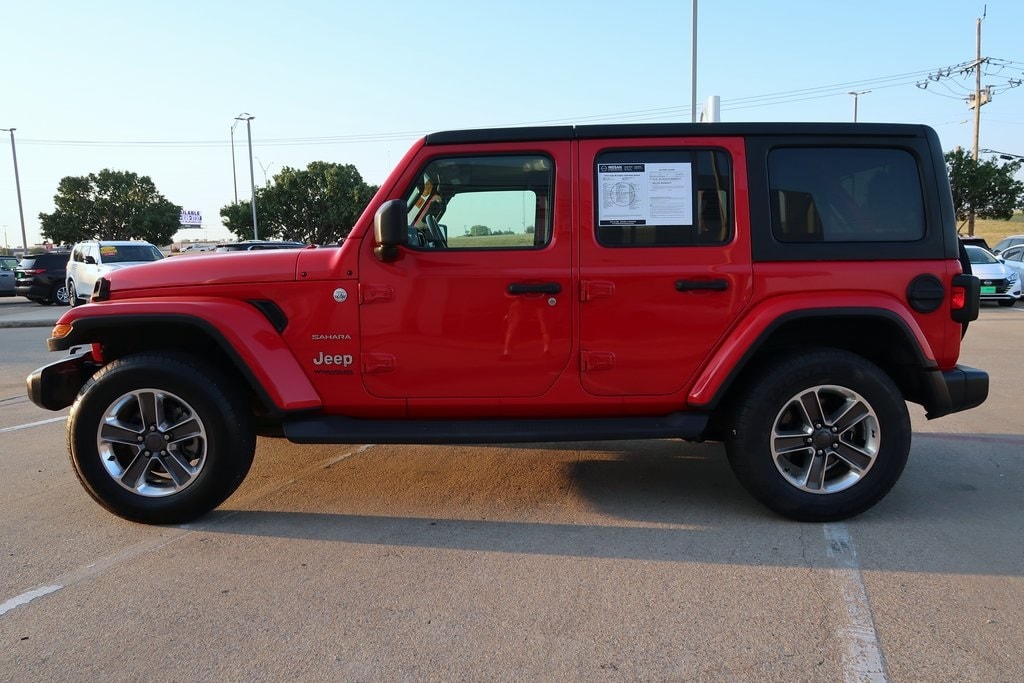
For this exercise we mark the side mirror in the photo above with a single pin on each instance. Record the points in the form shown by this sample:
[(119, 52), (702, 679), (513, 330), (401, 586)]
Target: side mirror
[(390, 230)]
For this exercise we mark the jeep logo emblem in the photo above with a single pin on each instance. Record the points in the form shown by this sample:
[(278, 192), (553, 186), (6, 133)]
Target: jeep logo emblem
[(342, 359)]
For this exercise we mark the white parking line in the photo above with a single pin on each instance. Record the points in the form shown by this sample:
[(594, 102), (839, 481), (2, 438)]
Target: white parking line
[(27, 597), (29, 425), (165, 535), (863, 660)]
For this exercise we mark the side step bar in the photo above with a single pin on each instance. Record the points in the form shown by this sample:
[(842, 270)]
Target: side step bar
[(345, 430)]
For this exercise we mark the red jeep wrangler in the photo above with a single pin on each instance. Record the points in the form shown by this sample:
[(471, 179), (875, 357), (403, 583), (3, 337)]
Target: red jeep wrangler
[(785, 288)]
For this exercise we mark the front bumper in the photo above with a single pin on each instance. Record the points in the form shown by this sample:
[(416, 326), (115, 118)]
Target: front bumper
[(56, 385)]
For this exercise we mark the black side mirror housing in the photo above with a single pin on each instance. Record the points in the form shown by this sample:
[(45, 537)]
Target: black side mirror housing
[(390, 230)]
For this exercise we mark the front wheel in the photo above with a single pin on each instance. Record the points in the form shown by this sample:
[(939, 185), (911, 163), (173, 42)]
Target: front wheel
[(160, 438), (820, 436), (1007, 302), (71, 293)]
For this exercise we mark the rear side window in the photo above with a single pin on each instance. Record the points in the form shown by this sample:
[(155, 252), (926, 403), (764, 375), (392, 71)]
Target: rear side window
[(664, 197), (839, 194)]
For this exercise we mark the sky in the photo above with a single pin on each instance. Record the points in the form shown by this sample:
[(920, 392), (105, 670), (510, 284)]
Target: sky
[(154, 88)]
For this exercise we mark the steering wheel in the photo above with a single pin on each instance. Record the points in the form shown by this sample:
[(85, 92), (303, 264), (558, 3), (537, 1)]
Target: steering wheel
[(437, 238)]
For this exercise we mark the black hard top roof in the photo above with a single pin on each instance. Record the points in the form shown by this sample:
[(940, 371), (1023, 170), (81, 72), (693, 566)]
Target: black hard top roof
[(652, 130)]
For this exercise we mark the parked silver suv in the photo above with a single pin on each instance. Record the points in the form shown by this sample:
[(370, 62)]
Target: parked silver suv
[(92, 260)]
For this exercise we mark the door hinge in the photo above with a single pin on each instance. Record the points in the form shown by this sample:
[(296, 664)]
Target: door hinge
[(377, 362), (591, 361), (596, 289), (371, 293)]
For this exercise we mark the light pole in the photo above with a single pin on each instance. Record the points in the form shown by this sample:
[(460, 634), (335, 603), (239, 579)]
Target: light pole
[(856, 94), (693, 66), (17, 185), (1003, 155), (245, 116), (234, 175), (264, 169)]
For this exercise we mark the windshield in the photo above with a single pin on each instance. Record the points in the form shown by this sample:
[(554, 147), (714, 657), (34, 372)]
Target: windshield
[(129, 253), (979, 256)]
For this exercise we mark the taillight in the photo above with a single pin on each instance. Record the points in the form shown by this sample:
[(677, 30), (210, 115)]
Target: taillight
[(959, 298), (965, 298)]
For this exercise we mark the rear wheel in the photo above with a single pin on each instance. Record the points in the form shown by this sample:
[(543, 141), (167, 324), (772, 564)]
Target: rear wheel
[(820, 436), (59, 295), (160, 438)]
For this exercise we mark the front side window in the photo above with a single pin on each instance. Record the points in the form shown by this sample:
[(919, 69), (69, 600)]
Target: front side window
[(496, 202), (837, 194), (665, 197)]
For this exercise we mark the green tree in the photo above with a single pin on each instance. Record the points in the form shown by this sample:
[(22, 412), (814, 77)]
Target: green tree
[(479, 231), (984, 187), (238, 219), (319, 205), (110, 205)]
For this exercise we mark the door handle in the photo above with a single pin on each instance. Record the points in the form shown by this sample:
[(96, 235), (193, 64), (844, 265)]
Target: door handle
[(707, 285), (517, 288)]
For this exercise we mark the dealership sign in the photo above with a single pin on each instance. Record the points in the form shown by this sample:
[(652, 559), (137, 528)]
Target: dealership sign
[(191, 219)]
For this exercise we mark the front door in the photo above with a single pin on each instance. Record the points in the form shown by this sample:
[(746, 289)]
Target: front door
[(478, 304)]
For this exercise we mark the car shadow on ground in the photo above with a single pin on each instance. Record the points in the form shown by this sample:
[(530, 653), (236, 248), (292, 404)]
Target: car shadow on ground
[(662, 501)]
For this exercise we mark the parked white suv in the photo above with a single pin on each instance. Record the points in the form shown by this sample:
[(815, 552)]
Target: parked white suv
[(92, 260)]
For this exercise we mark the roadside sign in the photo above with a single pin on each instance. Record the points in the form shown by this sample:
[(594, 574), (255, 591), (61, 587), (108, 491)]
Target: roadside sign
[(191, 219)]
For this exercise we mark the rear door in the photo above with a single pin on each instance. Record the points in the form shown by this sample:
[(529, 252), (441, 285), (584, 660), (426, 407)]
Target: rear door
[(664, 259)]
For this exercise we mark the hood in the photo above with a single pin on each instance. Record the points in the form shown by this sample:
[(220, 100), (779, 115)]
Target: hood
[(208, 269), (111, 267)]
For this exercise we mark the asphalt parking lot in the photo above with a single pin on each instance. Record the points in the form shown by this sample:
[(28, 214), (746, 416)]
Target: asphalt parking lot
[(586, 561)]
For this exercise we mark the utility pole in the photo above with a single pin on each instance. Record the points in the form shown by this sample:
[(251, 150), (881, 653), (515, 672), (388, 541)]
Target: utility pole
[(977, 105), (17, 185)]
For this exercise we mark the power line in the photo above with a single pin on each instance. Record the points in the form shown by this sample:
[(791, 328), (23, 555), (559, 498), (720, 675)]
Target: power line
[(922, 79)]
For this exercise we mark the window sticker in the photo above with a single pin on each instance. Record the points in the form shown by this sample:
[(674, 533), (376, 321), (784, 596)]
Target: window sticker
[(645, 194)]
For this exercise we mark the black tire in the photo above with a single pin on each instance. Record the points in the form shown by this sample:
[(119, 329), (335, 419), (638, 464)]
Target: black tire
[(833, 464), (73, 299), (58, 294), (1006, 303), (160, 438)]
